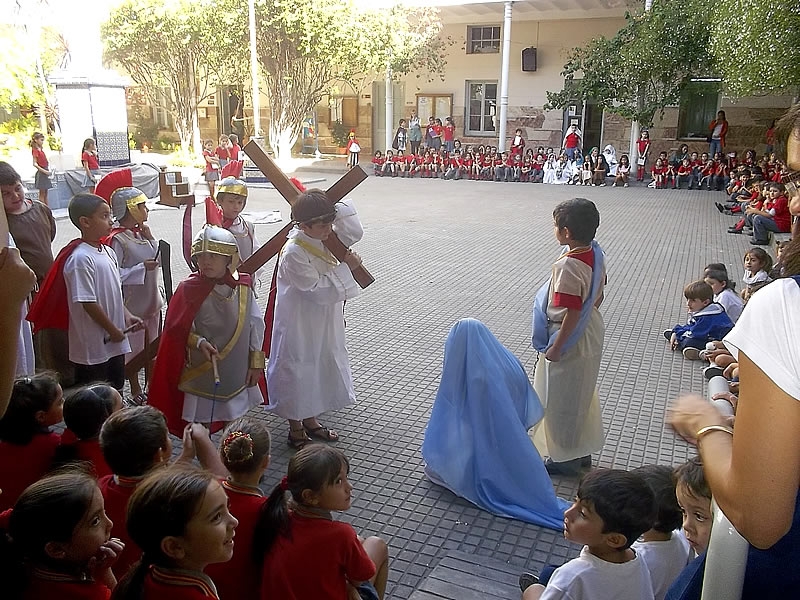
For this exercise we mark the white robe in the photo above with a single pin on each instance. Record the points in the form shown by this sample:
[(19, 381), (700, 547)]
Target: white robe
[(25, 356), (309, 371)]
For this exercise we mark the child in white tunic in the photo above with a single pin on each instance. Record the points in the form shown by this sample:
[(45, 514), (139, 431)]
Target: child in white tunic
[(309, 371)]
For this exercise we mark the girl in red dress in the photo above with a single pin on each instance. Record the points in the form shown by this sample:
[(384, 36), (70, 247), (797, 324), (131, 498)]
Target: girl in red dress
[(179, 517), (57, 542), (91, 166), (41, 164)]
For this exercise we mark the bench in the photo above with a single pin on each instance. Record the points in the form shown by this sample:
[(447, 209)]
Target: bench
[(173, 189), (462, 576)]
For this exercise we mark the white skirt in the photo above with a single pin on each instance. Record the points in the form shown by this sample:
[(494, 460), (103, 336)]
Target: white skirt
[(204, 410)]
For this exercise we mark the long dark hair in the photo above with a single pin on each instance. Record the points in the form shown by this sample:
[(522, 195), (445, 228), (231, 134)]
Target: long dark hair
[(47, 511), (162, 506), (312, 468), (29, 396)]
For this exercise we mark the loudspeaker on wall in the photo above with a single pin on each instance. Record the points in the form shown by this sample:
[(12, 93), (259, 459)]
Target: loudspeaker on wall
[(529, 59)]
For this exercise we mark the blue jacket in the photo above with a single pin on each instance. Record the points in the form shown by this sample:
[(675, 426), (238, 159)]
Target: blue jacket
[(710, 323)]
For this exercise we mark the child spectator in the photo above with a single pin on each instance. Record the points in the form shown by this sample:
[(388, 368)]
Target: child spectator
[(353, 148), (56, 542), (707, 322), (664, 550), (769, 138), (775, 216), (244, 452), (85, 411), (724, 293), (612, 509), (643, 150), (409, 163), (91, 166), (757, 265), (30, 223), (670, 174), (137, 256), (309, 371), (236, 149), (658, 172), (305, 553), (212, 165), (400, 137), (517, 143), (707, 176), (232, 199), (684, 174), (223, 151), (623, 171), (453, 167), (599, 167), (377, 161), (586, 173), (134, 441), (720, 173), (516, 166), (41, 179), (389, 167), (213, 319), (27, 445), (400, 164), (179, 518), (503, 171), (448, 135)]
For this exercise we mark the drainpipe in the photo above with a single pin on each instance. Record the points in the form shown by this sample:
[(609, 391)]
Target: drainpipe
[(501, 142), (251, 17), (388, 136)]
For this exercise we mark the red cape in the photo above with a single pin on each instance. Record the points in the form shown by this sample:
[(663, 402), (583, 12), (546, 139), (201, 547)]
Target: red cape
[(163, 392), (50, 307)]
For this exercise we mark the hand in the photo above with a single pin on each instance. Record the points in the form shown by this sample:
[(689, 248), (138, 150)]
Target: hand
[(151, 264), (144, 229), (18, 279), (107, 555), (712, 354), (673, 341), (728, 373), (689, 414), (352, 260), (253, 376), (188, 452), (553, 354), (732, 398), (116, 336), (208, 350), (133, 322)]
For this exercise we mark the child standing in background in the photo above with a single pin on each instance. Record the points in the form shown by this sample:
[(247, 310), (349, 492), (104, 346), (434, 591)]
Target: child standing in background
[(90, 164), (211, 165), (353, 148), (223, 151), (42, 177), (642, 149)]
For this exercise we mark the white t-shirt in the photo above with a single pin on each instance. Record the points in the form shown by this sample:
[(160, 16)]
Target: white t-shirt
[(767, 332), (590, 578), (92, 275), (664, 560), (732, 303)]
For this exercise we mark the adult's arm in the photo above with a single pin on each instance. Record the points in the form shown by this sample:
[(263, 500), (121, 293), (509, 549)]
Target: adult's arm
[(759, 466)]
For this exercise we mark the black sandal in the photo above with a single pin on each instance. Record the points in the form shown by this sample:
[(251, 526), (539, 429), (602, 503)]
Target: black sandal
[(298, 443), (322, 433)]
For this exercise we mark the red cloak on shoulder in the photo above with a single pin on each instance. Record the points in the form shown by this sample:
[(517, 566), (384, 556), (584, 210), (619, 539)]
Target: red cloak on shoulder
[(163, 392), (50, 307)]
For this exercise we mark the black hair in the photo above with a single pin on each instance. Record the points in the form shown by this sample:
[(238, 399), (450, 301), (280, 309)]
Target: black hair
[(762, 256), (131, 438), (691, 475), (622, 499), (715, 267), (83, 205), (8, 174), (580, 216), (698, 290), (312, 468), (722, 277), (668, 512), (87, 409), (29, 396), (312, 205), (232, 137), (47, 511), (244, 445), (161, 506)]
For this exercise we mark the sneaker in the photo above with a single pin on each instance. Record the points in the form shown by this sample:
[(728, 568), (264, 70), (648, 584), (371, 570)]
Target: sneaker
[(719, 206), (568, 468), (626, 185), (712, 371), (652, 184), (668, 334), (690, 353), (734, 230), (602, 185), (526, 580), (756, 242)]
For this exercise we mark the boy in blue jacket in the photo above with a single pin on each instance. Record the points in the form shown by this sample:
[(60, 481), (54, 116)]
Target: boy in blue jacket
[(707, 321)]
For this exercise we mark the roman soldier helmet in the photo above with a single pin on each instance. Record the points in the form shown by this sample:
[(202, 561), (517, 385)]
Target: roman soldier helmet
[(231, 185), (128, 199), (216, 240)]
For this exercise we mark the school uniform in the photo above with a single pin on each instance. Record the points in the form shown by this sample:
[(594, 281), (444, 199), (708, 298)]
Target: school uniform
[(177, 584), (44, 584), (23, 465), (116, 491)]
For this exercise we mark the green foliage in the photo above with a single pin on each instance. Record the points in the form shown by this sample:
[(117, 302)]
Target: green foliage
[(645, 66), (340, 133), (758, 44)]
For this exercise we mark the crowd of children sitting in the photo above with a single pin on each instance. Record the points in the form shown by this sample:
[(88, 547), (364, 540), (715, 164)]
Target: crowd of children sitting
[(760, 205)]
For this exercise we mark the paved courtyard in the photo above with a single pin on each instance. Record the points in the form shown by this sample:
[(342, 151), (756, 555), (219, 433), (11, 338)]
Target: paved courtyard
[(444, 250)]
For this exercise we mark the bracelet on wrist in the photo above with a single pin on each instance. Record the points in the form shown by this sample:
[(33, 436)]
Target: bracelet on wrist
[(705, 430)]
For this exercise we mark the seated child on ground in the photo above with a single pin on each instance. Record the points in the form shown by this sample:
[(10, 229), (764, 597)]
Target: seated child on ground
[(85, 411), (707, 322), (724, 293), (611, 510), (663, 548), (757, 265), (27, 446)]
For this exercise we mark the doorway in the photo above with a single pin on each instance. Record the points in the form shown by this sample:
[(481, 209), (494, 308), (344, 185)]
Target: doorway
[(592, 126)]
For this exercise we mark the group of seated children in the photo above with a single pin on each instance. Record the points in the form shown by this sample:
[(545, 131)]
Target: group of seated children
[(641, 531), (761, 206), (148, 529)]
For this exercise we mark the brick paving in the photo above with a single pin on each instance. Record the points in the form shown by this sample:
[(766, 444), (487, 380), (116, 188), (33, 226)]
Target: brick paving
[(444, 250)]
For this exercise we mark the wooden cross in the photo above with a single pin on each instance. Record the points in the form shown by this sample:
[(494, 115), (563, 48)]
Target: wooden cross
[(287, 189)]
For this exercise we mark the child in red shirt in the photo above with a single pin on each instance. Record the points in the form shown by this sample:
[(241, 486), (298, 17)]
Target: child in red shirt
[(378, 160), (59, 542), (685, 173), (179, 517), (306, 553), (419, 163), (428, 165), (211, 173), (223, 151), (657, 172), (27, 446), (243, 457), (42, 176), (410, 163), (399, 164), (91, 166), (389, 166), (235, 147)]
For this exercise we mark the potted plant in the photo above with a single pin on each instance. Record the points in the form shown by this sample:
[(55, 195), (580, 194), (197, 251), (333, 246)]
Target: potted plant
[(340, 133)]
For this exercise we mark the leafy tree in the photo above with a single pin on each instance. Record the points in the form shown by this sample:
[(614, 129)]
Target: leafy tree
[(645, 67), (184, 46), (305, 47), (758, 45)]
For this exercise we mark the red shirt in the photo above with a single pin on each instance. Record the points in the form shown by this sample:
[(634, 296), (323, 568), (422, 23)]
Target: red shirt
[(315, 562), (572, 140), (116, 493), (209, 167), (87, 451), (783, 218), (177, 584), (685, 170), (398, 158), (223, 153), (46, 584), (235, 152), (449, 133), (571, 301), (239, 577), (20, 466), (90, 158), (410, 159), (658, 170), (378, 161), (40, 157)]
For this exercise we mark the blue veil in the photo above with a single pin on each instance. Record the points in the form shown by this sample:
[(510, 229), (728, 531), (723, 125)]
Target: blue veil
[(476, 443)]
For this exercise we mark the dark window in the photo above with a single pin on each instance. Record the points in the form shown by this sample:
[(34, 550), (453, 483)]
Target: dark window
[(483, 39), (698, 108)]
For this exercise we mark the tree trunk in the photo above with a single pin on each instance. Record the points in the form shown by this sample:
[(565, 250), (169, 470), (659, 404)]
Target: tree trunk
[(184, 129), (197, 145), (282, 138)]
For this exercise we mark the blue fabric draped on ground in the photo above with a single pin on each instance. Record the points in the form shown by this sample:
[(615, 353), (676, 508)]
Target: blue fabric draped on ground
[(476, 443)]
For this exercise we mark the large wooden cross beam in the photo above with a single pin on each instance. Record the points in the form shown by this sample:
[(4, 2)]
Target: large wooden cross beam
[(287, 189)]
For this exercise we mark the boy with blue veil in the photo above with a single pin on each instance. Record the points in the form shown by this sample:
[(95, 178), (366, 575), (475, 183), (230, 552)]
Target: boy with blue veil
[(476, 443)]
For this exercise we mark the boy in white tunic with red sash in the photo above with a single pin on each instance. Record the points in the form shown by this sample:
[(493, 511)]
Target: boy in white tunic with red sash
[(309, 371)]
